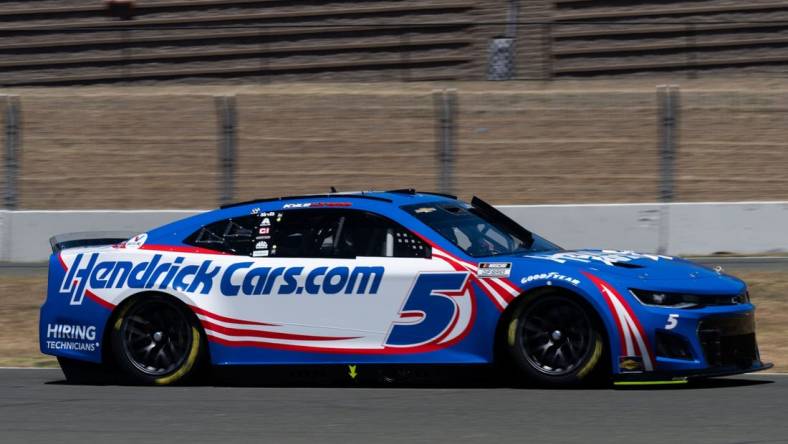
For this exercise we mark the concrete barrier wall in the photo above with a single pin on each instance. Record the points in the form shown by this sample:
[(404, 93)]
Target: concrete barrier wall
[(24, 235), (678, 229)]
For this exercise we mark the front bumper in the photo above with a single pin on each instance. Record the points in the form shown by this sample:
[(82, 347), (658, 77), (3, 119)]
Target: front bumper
[(729, 341), (698, 343)]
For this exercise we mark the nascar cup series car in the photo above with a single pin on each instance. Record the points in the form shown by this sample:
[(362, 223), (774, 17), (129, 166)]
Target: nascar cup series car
[(384, 278)]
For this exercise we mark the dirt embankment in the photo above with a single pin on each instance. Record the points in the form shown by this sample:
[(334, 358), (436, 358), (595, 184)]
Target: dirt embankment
[(516, 142)]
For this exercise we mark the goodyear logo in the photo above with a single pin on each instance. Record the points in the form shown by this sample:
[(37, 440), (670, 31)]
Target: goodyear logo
[(242, 278)]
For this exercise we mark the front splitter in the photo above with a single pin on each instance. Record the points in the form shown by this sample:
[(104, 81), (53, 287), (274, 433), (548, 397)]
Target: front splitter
[(677, 378)]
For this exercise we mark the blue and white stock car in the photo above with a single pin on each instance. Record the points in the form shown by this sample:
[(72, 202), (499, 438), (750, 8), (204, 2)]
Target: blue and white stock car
[(385, 278)]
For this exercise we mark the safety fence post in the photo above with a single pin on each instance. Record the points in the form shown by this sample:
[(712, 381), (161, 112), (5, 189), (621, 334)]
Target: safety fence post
[(667, 127), (446, 115), (12, 148), (226, 112)]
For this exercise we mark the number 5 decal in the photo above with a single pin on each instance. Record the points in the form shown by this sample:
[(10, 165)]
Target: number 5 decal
[(673, 321), (438, 309)]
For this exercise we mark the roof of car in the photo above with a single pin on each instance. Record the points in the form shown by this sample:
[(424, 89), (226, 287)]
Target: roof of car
[(397, 197)]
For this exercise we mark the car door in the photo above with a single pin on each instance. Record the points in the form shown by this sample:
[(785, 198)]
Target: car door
[(338, 278), (331, 279), (430, 303)]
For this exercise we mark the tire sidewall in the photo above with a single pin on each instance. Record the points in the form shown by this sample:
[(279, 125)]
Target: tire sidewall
[(188, 369), (588, 370)]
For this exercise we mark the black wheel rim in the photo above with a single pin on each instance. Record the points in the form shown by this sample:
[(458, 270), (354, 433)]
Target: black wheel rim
[(156, 337), (556, 336)]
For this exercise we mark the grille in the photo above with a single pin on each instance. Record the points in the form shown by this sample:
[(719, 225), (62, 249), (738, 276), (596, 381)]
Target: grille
[(729, 341), (672, 346)]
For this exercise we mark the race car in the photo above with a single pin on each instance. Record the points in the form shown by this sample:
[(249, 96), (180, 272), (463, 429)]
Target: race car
[(384, 279)]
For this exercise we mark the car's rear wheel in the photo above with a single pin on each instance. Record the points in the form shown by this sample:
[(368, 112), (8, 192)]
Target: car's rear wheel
[(556, 340), (156, 341)]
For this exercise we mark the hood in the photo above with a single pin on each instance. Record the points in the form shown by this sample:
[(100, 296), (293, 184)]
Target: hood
[(638, 269)]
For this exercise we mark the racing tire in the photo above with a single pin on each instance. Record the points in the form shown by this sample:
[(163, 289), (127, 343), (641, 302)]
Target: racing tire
[(557, 341), (157, 341)]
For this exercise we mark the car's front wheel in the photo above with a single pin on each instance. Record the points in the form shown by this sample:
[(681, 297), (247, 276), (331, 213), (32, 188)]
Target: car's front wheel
[(156, 341), (555, 340)]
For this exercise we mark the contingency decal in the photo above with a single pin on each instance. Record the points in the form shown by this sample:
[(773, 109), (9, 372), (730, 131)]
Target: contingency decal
[(264, 245), (500, 290), (550, 278), (634, 342), (136, 241), (494, 269), (630, 364)]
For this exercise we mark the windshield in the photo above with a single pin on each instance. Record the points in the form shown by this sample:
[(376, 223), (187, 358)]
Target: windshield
[(478, 230)]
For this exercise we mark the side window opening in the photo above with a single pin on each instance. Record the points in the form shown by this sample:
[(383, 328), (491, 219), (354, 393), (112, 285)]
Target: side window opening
[(389, 244), (232, 236), (234, 230), (371, 235), (478, 229), (461, 239), (306, 233), (342, 233), (408, 245), (206, 237), (311, 233)]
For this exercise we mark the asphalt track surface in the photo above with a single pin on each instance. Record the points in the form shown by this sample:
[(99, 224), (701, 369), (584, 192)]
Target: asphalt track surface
[(37, 406)]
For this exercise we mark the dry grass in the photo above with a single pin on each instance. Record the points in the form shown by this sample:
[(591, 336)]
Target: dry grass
[(517, 142), (21, 297), (769, 291)]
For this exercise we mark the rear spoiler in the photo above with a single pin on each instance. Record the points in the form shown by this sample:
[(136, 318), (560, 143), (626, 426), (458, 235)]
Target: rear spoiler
[(65, 241)]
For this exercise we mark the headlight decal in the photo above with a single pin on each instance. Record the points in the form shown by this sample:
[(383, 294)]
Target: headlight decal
[(634, 341), (686, 300)]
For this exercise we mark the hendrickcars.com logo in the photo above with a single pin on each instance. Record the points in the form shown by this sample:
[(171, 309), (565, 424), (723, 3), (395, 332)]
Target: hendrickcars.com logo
[(245, 278)]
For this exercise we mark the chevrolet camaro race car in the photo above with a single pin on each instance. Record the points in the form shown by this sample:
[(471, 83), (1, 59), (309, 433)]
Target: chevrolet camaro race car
[(385, 278)]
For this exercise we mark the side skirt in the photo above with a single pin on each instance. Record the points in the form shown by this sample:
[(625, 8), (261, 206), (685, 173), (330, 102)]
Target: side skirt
[(353, 375)]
